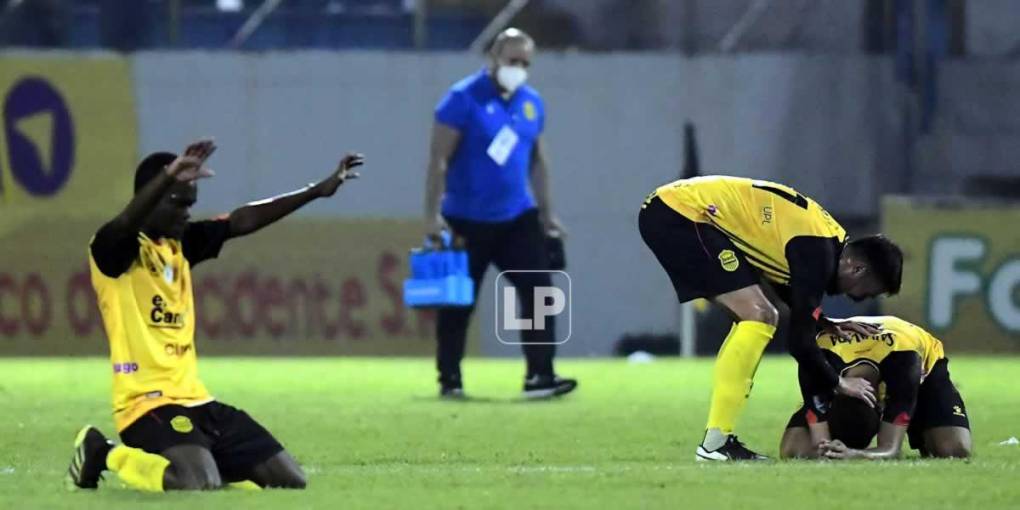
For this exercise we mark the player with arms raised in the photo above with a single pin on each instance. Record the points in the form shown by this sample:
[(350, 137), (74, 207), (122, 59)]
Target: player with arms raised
[(175, 434)]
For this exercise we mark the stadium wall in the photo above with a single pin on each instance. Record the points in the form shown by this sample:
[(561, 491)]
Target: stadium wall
[(828, 126), (976, 133)]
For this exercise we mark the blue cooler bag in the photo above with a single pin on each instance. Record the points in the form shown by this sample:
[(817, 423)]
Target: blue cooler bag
[(439, 276)]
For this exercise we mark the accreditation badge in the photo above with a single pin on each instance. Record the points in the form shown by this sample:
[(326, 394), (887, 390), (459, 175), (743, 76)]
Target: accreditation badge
[(503, 145)]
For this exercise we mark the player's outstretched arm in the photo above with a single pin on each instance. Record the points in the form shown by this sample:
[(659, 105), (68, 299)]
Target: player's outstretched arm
[(256, 215), (812, 265), (188, 167), (115, 245)]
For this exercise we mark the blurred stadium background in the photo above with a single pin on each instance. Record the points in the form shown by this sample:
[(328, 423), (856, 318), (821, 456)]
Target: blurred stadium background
[(851, 102)]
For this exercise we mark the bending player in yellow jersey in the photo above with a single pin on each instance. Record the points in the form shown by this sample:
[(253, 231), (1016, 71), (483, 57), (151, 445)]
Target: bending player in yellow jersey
[(720, 238), (175, 434), (920, 400)]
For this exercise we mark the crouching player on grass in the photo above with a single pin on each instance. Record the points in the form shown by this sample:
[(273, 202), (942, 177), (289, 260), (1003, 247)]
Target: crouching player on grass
[(175, 434), (725, 239), (920, 399)]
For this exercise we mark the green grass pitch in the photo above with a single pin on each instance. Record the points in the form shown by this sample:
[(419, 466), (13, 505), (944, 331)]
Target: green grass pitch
[(372, 434)]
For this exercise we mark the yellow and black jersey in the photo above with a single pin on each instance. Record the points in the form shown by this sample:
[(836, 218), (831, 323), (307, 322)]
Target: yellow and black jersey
[(787, 237), (903, 353), (897, 335), (761, 218), (144, 291)]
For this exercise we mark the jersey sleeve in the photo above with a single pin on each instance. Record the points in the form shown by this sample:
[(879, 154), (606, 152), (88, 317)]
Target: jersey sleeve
[(901, 372), (204, 239), (817, 397), (113, 253), (454, 110), (812, 263)]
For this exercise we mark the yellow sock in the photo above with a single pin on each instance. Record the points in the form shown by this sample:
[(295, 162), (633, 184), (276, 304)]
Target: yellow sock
[(137, 468), (734, 372)]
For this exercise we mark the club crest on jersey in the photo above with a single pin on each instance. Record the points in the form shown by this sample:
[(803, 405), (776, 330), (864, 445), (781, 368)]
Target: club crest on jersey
[(168, 273), (530, 112), (729, 260), (182, 424)]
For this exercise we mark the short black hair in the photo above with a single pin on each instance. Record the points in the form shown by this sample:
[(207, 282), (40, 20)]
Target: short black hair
[(852, 421), (883, 257), (150, 167)]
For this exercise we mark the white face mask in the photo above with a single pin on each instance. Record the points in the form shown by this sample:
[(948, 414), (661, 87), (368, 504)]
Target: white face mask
[(511, 77)]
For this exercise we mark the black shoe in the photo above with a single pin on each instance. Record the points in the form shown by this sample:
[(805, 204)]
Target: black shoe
[(451, 388), (732, 449), (89, 461), (546, 386)]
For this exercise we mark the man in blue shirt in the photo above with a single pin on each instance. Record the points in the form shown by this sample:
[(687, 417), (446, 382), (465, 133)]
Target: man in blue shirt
[(488, 166)]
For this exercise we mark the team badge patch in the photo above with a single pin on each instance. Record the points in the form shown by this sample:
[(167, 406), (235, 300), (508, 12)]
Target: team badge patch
[(182, 424), (530, 112), (729, 260)]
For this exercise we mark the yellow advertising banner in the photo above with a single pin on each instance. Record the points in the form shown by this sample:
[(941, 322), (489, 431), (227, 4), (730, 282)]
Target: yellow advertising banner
[(69, 139), (299, 287), (961, 275), (68, 147)]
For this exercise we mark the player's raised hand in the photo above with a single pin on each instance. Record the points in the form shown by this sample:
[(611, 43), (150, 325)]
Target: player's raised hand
[(190, 165), (344, 170), (843, 328), (857, 387)]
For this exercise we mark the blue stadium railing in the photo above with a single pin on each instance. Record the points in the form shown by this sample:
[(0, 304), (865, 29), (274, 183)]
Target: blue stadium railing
[(315, 24)]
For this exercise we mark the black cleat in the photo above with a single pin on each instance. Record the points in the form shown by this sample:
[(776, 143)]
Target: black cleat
[(546, 386), (733, 449), (452, 393), (451, 388), (89, 461)]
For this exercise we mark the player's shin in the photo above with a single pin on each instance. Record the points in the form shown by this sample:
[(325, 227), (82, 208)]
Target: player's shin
[(138, 469), (733, 376)]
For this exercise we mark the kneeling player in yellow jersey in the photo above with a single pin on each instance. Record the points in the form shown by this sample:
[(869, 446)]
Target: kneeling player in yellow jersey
[(920, 400), (719, 237), (175, 434)]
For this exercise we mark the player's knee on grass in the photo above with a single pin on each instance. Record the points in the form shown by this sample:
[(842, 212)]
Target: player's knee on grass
[(281, 471), (796, 444), (948, 442), (192, 467)]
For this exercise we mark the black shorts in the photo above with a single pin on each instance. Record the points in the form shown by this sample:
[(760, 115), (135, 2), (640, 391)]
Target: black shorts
[(699, 259), (237, 442), (939, 404)]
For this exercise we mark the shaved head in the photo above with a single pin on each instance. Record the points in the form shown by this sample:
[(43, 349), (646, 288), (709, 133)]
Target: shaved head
[(511, 36)]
